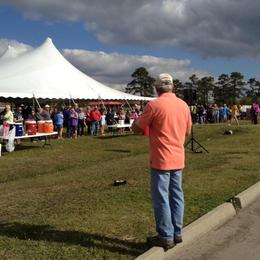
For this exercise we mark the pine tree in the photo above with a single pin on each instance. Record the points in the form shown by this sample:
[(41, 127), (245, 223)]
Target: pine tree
[(253, 90), (205, 86), (142, 84)]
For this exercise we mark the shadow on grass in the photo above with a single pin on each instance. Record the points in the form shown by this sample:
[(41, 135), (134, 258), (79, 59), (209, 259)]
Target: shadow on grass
[(88, 240), (114, 136), (27, 147), (20, 148), (117, 150)]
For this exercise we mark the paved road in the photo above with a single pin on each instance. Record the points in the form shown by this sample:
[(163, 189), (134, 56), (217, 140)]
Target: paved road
[(239, 239)]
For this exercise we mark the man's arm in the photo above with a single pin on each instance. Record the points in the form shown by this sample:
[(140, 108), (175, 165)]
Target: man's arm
[(188, 132), (189, 124), (143, 120)]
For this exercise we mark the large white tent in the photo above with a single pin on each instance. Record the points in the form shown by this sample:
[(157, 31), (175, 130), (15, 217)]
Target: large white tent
[(45, 73)]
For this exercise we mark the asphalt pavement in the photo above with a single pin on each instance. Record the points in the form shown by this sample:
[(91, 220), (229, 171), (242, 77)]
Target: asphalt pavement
[(237, 239)]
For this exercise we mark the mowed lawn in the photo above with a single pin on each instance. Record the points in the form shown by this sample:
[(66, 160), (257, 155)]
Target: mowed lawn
[(59, 202)]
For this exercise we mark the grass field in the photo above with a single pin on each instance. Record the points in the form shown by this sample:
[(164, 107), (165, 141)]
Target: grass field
[(58, 202)]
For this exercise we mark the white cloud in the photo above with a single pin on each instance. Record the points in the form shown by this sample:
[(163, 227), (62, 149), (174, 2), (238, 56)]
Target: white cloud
[(116, 69), (212, 28)]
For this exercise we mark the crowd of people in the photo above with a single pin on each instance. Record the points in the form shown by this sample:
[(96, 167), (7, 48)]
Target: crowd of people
[(214, 113), (77, 121), (97, 120)]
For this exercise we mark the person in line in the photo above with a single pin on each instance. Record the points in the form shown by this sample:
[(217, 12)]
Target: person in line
[(96, 117), (110, 119), (234, 114), (255, 111), (103, 122), (169, 121), (38, 115), (2, 113), (88, 120), (134, 114), (200, 114), (45, 113), (216, 113), (54, 112), (18, 118), (33, 116), (81, 123), (121, 119), (243, 111), (58, 121), (74, 123), (66, 114), (8, 117), (225, 113)]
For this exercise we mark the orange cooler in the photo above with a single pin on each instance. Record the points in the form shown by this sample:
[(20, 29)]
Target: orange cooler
[(31, 127), (48, 126), (41, 126)]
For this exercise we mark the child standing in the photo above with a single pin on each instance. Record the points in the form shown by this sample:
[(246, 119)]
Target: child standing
[(58, 123)]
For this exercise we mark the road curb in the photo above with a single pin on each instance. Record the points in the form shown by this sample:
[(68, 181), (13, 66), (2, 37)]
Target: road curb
[(246, 197), (199, 227)]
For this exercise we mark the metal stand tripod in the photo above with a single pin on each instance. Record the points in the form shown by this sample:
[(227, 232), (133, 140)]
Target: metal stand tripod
[(192, 141)]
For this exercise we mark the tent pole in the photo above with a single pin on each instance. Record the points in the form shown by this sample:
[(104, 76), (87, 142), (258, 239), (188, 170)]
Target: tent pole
[(102, 102), (37, 101), (74, 103), (128, 104)]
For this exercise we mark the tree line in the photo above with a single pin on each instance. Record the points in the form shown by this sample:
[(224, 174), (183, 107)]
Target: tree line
[(226, 89)]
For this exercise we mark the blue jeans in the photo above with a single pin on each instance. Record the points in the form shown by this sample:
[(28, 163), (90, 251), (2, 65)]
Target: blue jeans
[(94, 127), (168, 202)]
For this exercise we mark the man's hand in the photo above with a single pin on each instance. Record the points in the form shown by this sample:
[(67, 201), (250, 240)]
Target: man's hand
[(136, 129)]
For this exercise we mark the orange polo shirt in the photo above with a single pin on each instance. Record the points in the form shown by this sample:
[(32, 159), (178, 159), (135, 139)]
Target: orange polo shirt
[(168, 118)]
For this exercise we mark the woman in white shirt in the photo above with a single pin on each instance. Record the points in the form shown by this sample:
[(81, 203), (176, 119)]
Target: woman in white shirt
[(103, 122)]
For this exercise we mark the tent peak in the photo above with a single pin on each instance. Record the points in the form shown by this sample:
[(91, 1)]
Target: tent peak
[(48, 48), (9, 48), (10, 52), (48, 40), (48, 43)]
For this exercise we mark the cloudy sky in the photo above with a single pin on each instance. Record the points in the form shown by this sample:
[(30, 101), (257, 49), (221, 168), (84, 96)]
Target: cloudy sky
[(108, 40)]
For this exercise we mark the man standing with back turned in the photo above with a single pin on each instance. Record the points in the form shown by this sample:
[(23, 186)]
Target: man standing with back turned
[(169, 120)]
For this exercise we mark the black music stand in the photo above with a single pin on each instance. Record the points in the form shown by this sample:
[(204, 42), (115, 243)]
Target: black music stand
[(192, 141), (190, 98)]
